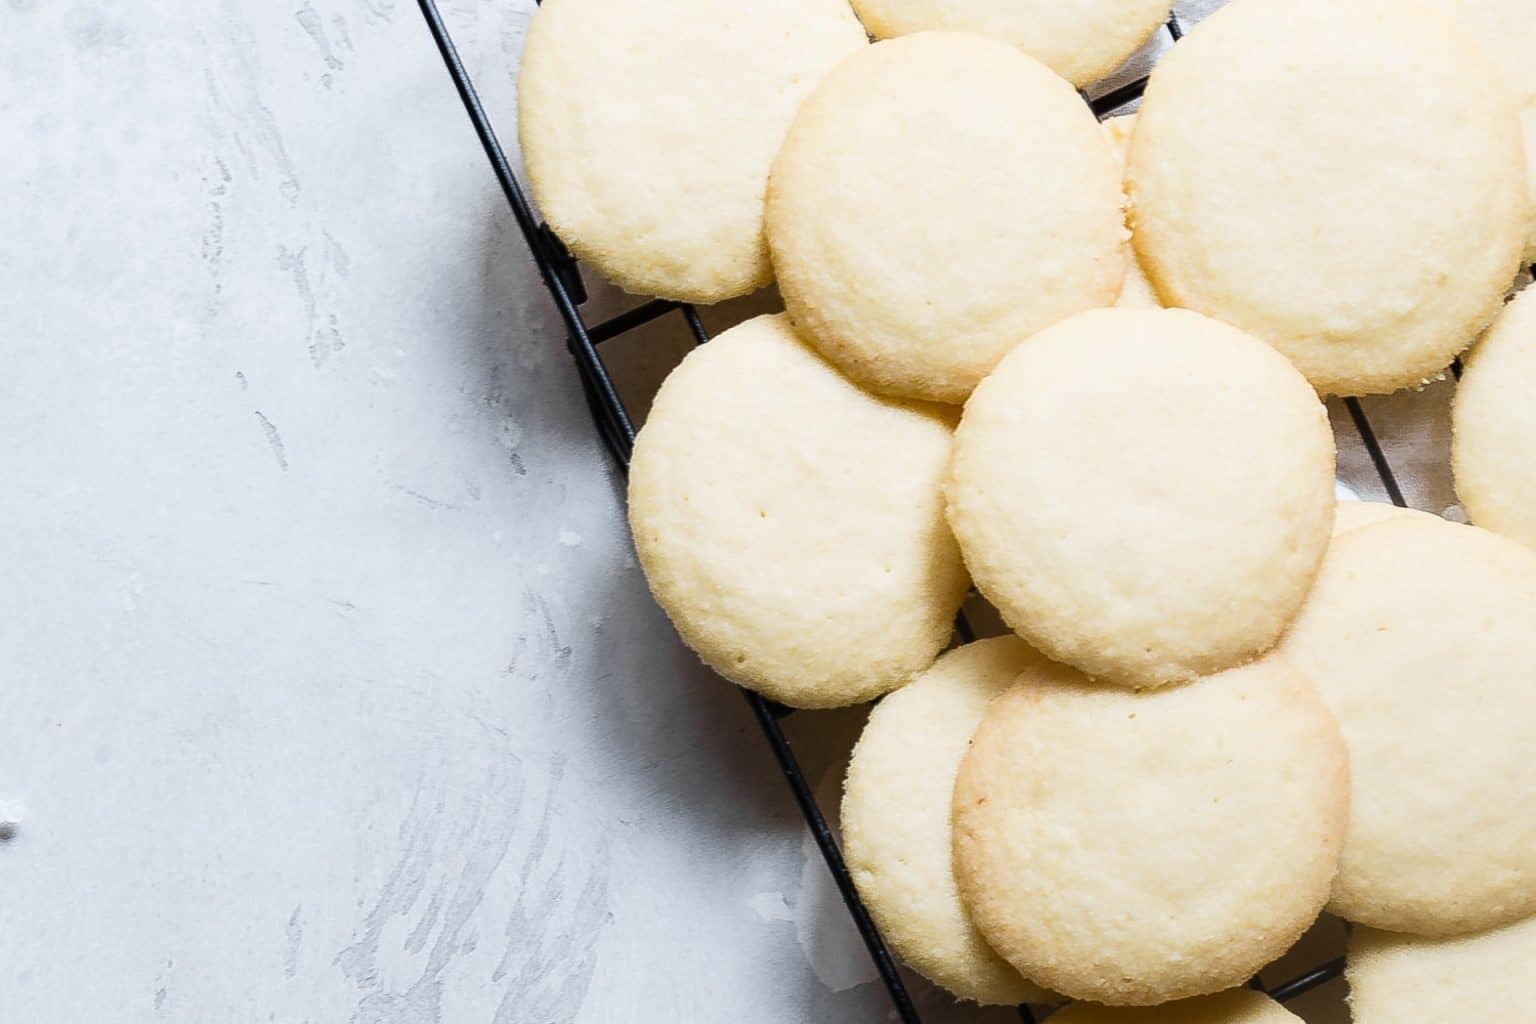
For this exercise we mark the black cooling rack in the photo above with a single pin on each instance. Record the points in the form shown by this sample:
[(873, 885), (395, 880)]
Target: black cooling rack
[(562, 276)]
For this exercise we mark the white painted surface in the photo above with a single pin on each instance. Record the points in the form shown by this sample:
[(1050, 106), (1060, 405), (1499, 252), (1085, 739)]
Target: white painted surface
[(329, 690)]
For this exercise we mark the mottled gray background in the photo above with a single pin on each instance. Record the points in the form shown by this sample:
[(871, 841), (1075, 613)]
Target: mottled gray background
[(329, 690)]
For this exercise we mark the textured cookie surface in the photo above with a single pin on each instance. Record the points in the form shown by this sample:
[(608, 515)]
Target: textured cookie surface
[(1490, 976), (939, 198), (1137, 293), (791, 525), (1291, 173), (1352, 515), (1507, 33), (1081, 41), (1493, 421), (1241, 1006), (648, 130), (1135, 848), (1418, 634), (896, 819), (1144, 494)]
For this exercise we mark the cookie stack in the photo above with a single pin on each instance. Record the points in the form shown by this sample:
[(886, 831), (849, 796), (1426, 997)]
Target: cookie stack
[(1081, 370)]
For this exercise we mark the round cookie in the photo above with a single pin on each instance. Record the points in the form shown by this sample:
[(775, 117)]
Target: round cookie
[(1240, 1006), (648, 130), (1344, 180), (1137, 293), (939, 198), (896, 819), (1135, 848), (1493, 425), (1080, 41), (1418, 635), (1507, 33), (1352, 515), (1144, 494), (791, 525), (1490, 976)]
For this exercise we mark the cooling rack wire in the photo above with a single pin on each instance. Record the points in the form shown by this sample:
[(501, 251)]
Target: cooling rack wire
[(562, 278)]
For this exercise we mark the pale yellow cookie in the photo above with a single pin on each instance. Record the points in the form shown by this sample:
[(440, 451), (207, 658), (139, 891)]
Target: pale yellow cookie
[(1081, 41), (939, 198), (1507, 34), (1144, 494), (1352, 515), (1418, 634), (896, 819), (1484, 978), (1493, 425), (1344, 180), (1240, 1006), (791, 525), (648, 129), (1137, 292), (1135, 848), (1506, 30)]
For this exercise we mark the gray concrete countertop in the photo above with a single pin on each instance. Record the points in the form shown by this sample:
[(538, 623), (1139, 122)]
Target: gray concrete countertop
[(329, 688)]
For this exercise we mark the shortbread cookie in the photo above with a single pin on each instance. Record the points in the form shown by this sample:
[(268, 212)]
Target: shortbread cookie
[(791, 525), (1135, 848), (1352, 515), (1240, 1006), (648, 129), (1493, 425), (1082, 41), (1144, 494), (896, 819), (1137, 293), (1291, 174), (1506, 31), (1490, 976), (939, 198), (1418, 634)]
